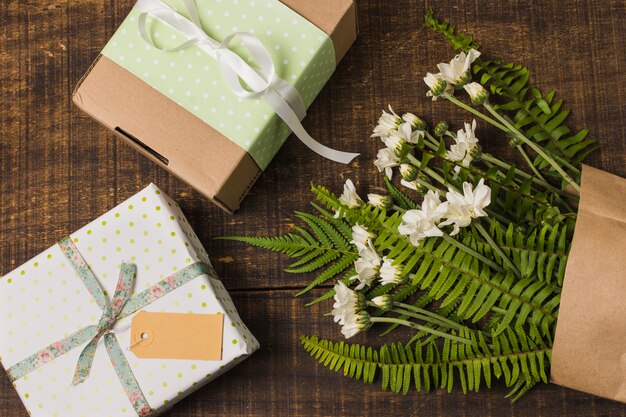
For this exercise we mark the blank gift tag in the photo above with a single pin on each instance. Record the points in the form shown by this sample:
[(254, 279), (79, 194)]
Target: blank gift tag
[(177, 336)]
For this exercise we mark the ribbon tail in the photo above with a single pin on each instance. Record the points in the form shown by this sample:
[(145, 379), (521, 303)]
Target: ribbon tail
[(289, 93), (85, 360), (276, 102), (126, 376)]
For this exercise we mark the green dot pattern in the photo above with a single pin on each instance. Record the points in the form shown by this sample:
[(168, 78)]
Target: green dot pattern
[(302, 54), (42, 301)]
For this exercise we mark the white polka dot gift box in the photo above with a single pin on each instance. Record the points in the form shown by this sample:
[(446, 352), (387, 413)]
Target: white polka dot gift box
[(211, 89), (69, 339)]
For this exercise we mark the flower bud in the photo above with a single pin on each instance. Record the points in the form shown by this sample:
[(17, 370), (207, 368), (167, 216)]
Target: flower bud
[(394, 141), (476, 152), (416, 122), (384, 302), (408, 172), (380, 201), (361, 302), (465, 78), (514, 142), (403, 150), (477, 93), (362, 319), (436, 84), (441, 128)]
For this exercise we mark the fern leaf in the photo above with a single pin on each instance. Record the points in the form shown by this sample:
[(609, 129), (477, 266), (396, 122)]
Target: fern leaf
[(512, 356)]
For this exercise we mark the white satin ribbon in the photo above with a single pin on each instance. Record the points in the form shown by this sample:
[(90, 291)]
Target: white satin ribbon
[(262, 82)]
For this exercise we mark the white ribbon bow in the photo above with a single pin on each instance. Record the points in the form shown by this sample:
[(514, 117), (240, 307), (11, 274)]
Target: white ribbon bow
[(262, 82)]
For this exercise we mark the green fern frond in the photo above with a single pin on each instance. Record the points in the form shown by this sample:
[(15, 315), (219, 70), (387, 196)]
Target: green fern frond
[(324, 245), (538, 116), (458, 40), (513, 357), (399, 198), (288, 244), (542, 254), (448, 273)]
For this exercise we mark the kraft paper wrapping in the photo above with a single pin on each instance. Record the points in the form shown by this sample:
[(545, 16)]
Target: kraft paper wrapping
[(589, 351)]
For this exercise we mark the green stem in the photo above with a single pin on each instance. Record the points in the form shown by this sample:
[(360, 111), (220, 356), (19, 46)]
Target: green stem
[(496, 248), (492, 159), (428, 313), (533, 145), (425, 184), (472, 252), (434, 143), (530, 163), (419, 327), (424, 318), (474, 112), (558, 158), (397, 208)]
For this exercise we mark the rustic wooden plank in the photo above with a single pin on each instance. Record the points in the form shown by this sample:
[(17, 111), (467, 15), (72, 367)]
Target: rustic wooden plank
[(59, 169), (282, 380)]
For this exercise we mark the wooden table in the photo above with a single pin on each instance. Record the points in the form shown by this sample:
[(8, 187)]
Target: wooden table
[(59, 169)]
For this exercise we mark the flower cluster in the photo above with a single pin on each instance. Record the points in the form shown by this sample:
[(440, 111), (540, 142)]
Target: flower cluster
[(465, 146), (396, 133), (453, 75), (349, 310), (370, 265), (458, 211)]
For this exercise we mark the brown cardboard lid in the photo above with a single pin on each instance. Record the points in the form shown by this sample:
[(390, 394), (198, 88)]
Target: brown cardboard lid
[(337, 18), (177, 140)]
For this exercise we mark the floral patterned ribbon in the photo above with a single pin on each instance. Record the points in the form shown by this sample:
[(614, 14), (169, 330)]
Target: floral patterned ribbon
[(121, 305)]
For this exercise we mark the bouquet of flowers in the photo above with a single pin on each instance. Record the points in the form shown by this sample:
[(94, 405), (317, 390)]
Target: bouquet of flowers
[(466, 250)]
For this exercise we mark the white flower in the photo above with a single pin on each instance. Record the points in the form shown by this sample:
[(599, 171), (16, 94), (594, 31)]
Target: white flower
[(387, 159), (384, 302), (476, 92), (466, 142), (345, 306), (457, 72), (349, 197), (408, 172), (379, 201), (419, 224), (360, 237), (367, 266), (437, 85), (390, 274), (415, 122), (409, 184), (393, 141), (406, 132), (459, 153), (462, 208), (386, 123), (356, 323), (350, 329)]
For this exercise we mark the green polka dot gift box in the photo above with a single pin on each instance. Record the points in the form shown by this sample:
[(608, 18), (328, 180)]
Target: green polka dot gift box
[(65, 315), (211, 89)]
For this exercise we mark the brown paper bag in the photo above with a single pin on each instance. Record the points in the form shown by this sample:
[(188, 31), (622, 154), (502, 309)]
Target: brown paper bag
[(589, 352)]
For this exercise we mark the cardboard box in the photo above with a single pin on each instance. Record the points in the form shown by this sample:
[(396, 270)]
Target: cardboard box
[(184, 143), (44, 301)]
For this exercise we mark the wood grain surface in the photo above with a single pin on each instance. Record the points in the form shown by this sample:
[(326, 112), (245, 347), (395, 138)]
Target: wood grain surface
[(59, 169)]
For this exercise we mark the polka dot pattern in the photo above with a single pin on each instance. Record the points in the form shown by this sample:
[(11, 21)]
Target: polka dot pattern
[(45, 292), (302, 53)]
